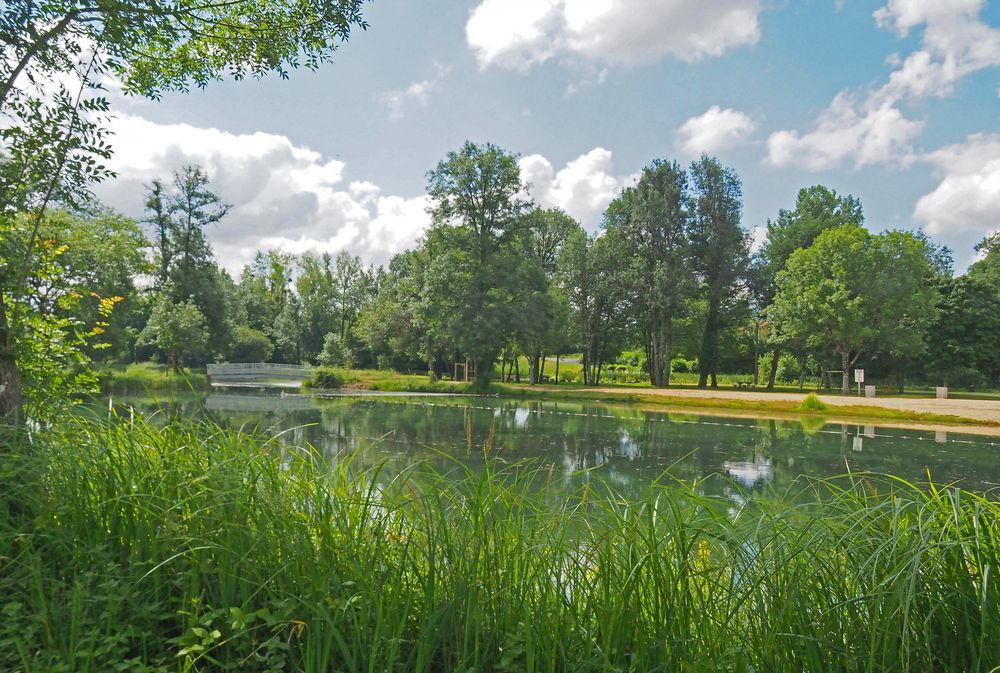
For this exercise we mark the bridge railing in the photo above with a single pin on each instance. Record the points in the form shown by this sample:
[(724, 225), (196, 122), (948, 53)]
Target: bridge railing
[(257, 370)]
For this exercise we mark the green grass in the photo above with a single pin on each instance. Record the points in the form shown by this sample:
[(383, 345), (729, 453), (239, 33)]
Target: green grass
[(191, 548), (813, 403), (146, 377)]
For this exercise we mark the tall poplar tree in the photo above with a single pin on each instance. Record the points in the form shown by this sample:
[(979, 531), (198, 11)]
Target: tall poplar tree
[(720, 250), (651, 223)]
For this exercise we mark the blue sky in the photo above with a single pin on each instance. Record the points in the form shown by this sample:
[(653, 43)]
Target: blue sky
[(896, 102)]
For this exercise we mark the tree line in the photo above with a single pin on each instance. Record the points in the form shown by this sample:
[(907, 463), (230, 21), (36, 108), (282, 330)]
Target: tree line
[(669, 281)]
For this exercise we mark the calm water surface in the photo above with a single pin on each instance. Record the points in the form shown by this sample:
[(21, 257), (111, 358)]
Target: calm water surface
[(626, 446)]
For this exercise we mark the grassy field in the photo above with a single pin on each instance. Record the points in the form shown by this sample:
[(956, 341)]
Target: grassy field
[(572, 373), (146, 377), (388, 381), (191, 548)]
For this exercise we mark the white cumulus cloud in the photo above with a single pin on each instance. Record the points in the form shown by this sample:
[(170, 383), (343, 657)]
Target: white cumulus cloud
[(417, 94), (583, 188), (967, 199), (867, 133), (521, 33), (284, 196), (715, 130), (872, 128)]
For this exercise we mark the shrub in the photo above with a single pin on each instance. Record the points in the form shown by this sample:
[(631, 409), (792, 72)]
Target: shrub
[(335, 352), (327, 379), (250, 345)]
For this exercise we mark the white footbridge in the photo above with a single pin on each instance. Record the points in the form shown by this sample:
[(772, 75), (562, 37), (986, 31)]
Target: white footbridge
[(258, 374)]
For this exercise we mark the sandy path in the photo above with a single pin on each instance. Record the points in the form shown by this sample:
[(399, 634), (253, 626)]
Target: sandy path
[(982, 410)]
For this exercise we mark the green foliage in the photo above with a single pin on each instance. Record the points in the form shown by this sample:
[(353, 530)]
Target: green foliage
[(250, 345), (817, 209), (965, 350), (179, 330), (720, 249), (327, 379), (196, 548), (54, 56), (588, 279), (813, 403), (650, 227), (851, 291), (186, 262), (153, 47), (476, 278), (147, 377), (335, 352), (55, 317), (682, 366)]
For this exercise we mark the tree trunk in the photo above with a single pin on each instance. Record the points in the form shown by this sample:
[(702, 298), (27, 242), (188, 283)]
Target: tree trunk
[(481, 380), (532, 369), (541, 367), (845, 364), (10, 385), (756, 352), (708, 359), (774, 369), (10, 375), (558, 357)]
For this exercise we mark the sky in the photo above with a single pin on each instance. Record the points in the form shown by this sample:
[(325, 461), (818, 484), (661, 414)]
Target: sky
[(896, 102)]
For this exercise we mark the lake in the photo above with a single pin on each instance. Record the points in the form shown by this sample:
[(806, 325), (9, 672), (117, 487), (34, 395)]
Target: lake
[(579, 441)]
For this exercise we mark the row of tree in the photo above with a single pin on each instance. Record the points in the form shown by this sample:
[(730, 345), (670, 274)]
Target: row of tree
[(497, 280)]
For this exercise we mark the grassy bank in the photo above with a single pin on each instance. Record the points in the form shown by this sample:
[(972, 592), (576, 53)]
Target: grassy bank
[(636, 396), (383, 380), (391, 381), (148, 377), (192, 548)]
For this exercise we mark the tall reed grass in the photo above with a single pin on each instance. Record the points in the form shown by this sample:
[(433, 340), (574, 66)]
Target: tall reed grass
[(194, 548)]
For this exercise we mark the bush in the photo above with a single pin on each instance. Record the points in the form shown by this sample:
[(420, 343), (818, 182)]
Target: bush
[(813, 403), (327, 379), (682, 366), (335, 352), (250, 345)]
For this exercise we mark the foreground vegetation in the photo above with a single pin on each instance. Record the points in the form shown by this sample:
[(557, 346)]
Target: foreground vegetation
[(194, 548)]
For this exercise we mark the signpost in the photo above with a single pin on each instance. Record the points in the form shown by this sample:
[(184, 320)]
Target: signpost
[(859, 378)]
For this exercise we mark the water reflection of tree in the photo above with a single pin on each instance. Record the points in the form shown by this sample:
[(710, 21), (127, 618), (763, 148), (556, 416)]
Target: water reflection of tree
[(587, 443)]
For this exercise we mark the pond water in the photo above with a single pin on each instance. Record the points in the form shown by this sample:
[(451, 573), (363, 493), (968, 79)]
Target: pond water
[(626, 446)]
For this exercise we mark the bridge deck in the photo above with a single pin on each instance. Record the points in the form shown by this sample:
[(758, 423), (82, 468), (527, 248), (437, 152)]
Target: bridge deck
[(256, 371)]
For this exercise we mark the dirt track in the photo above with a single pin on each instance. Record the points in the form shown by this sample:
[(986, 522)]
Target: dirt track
[(982, 410)]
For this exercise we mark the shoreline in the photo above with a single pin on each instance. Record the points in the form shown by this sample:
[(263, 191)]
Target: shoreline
[(981, 417)]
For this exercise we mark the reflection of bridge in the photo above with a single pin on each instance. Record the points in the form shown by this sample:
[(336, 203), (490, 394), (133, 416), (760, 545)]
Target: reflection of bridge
[(258, 403), (260, 373)]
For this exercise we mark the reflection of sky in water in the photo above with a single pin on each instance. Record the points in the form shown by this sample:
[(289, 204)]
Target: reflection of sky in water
[(521, 417), (620, 444), (749, 473)]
